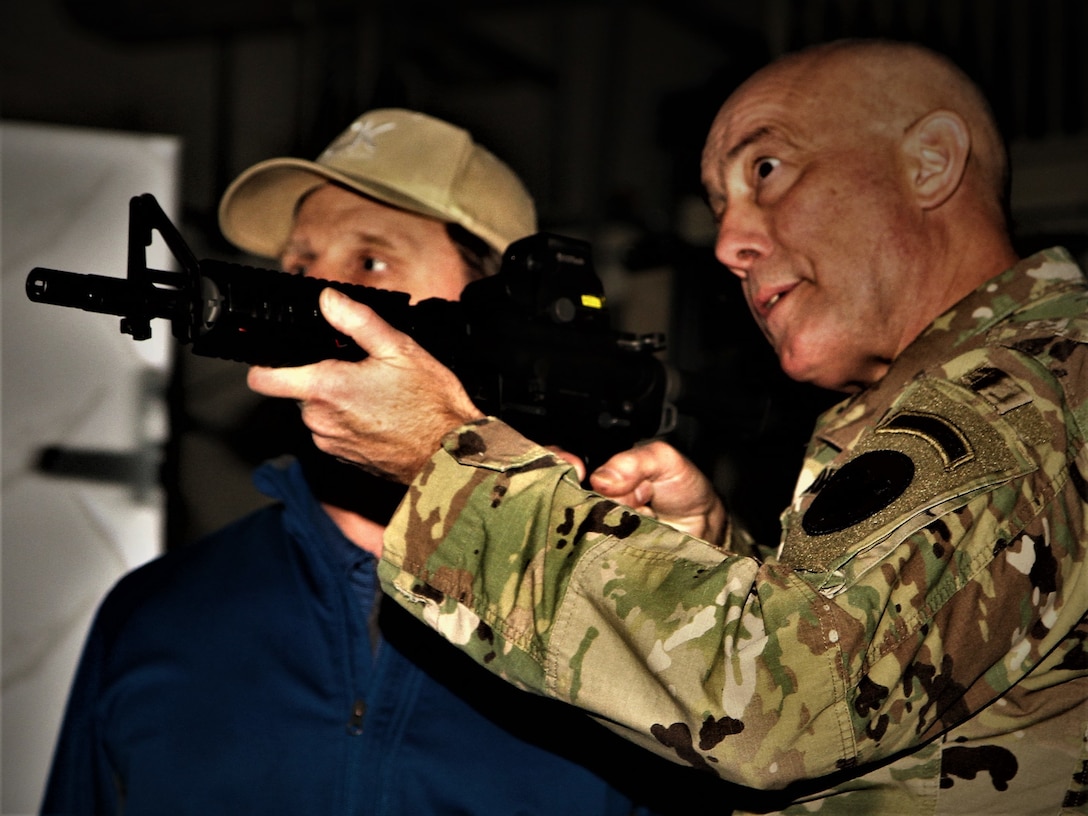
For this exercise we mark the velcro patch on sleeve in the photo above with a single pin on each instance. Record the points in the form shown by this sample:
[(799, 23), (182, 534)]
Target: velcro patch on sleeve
[(939, 446)]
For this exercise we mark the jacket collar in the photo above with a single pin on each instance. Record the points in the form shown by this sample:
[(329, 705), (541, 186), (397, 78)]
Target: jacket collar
[(1030, 281)]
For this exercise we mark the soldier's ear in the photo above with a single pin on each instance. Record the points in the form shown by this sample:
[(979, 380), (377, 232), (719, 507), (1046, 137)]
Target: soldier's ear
[(937, 147)]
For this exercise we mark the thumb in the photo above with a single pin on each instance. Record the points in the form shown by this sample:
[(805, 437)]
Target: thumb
[(359, 322)]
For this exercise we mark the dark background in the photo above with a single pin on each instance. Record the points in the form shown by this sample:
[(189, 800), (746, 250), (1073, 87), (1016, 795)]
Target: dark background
[(600, 106)]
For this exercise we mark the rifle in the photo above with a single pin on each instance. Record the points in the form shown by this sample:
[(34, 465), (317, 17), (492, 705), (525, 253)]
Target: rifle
[(532, 344)]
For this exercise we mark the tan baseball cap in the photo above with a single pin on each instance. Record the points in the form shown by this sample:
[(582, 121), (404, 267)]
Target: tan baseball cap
[(400, 157)]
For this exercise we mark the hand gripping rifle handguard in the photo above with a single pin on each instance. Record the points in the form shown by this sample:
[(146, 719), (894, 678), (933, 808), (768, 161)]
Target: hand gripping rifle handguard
[(532, 344)]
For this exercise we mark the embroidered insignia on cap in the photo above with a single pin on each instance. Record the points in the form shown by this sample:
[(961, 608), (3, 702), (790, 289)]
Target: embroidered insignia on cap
[(858, 490), (362, 132)]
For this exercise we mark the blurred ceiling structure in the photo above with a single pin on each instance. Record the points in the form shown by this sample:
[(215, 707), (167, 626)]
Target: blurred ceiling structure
[(589, 93)]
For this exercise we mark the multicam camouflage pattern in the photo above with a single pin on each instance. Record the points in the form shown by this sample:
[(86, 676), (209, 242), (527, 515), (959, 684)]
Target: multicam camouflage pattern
[(918, 643)]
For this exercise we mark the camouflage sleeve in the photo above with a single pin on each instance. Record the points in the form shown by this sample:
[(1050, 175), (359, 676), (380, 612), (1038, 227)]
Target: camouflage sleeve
[(565, 593), (764, 673)]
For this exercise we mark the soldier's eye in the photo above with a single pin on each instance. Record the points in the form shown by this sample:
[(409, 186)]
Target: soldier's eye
[(765, 166)]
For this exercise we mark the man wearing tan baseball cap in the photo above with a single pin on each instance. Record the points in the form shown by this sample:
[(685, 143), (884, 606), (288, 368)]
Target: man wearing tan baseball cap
[(258, 670), (401, 158)]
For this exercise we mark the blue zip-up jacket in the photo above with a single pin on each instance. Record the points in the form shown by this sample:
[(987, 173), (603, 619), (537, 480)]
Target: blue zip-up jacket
[(242, 675)]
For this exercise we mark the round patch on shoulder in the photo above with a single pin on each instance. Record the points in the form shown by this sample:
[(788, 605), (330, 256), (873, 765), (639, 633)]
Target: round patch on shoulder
[(858, 490)]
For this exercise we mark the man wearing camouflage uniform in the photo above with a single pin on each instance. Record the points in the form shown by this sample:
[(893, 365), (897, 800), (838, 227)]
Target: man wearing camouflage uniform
[(917, 641)]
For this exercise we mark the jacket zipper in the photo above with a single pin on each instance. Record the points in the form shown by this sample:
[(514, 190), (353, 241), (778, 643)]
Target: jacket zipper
[(355, 724)]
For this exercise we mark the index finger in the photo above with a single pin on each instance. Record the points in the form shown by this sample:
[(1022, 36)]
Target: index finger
[(287, 382), (362, 324), (357, 320), (624, 470)]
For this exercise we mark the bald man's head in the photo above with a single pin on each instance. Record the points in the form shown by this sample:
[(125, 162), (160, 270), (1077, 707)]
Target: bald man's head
[(883, 85), (858, 188)]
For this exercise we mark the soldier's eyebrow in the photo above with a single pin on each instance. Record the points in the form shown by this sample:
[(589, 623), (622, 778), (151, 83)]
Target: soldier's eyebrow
[(747, 139)]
